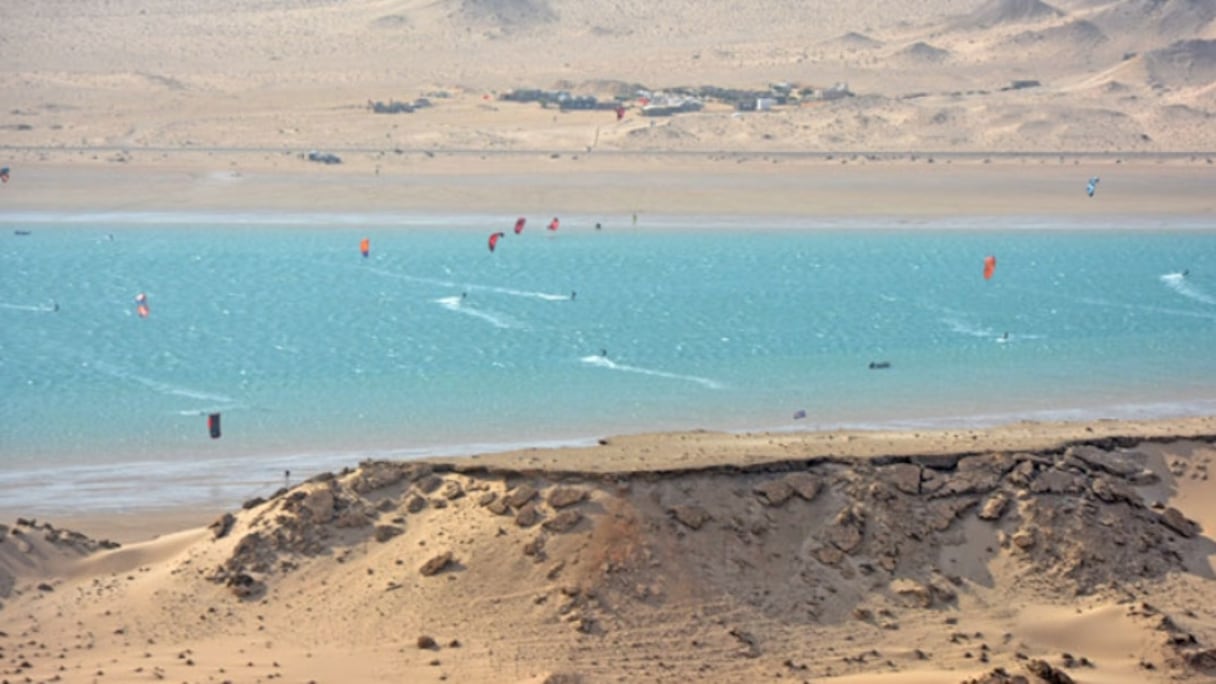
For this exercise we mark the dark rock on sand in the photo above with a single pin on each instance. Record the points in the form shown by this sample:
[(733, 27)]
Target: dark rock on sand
[(805, 485), (903, 476), (1176, 521), (223, 525), (452, 490), (1056, 481), (429, 483), (1113, 462), (1203, 661), (1043, 670), (997, 676), (692, 517), (245, 586), (564, 521), (774, 492), (528, 516), (520, 495), (561, 497), (436, 565), (384, 533)]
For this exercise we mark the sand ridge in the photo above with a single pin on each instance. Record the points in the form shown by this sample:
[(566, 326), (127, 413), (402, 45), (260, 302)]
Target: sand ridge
[(954, 565)]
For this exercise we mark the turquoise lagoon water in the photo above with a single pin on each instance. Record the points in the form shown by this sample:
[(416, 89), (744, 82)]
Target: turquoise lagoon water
[(317, 357)]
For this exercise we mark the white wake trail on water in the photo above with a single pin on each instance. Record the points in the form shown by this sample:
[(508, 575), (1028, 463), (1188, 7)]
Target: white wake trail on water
[(1098, 302), (38, 308), (966, 328), (1179, 283), (963, 323), (969, 329), (546, 296), (603, 362), (470, 287), (220, 402), (457, 305)]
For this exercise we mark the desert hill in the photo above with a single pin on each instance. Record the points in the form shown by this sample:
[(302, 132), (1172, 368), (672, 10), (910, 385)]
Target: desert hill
[(970, 565), (296, 76), (1003, 12)]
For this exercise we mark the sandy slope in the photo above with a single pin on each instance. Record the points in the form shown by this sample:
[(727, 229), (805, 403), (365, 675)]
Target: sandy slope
[(1077, 549)]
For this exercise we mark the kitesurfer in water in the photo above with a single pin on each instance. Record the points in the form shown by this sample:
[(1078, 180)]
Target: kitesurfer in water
[(573, 294)]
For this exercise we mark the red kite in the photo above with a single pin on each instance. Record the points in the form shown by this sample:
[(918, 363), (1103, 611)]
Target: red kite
[(989, 266)]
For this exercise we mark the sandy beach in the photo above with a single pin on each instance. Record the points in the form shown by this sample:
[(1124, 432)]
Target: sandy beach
[(1031, 552), (611, 188)]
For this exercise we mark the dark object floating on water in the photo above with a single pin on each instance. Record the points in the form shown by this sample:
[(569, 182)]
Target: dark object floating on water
[(879, 365), (21, 232), (213, 425)]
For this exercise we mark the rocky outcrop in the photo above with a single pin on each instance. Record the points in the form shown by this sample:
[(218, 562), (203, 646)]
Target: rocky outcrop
[(1070, 521)]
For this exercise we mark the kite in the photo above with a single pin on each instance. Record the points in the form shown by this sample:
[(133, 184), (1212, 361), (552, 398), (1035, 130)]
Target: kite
[(494, 240), (519, 225), (989, 267), (1092, 186)]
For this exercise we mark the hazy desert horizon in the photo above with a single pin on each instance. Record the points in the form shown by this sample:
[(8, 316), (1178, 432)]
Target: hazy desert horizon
[(1120, 77)]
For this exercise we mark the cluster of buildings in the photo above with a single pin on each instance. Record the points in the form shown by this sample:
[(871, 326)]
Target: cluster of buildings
[(678, 100)]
